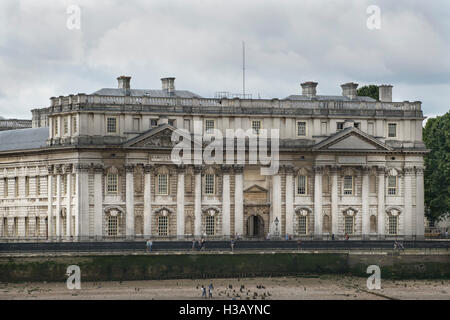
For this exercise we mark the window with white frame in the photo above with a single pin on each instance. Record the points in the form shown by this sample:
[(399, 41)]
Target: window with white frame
[(209, 126), (301, 128), (302, 224), (256, 126), (349, 224), (209, 183), (301, 184), (393, 225), (66, 125), (74, 124), (392, 185), (111, 183), (210, 225), (392, 130), (111, 125), (163, 183), (113, 225), (348, 184), (163, 226)]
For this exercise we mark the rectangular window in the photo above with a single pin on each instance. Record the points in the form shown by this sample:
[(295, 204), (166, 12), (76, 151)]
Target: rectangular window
[(339, 126), (172, 122), (301, 128), (136, 127), (209, 184), (209, 126), (27, 186), (187, 124), (113, 226), (348, 184), (163, 184), (393, 225), (5, 187), (256, 126), (357, 125), (301, 188), (163, 226), (210, 225), (55, 123), (392, 185), (74, 124), (111, 125), (392, 130), (153, 123), (66, 125), (349, 221), (302, 225), (38, 185), (111, 182)]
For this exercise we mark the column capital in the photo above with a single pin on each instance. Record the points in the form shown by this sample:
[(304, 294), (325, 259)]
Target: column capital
[(289, 169), (381, 170), (51, 169), (408, 171), (198, 169), (59, 169), (98, 168), (226, 168), (334, 169), (148, 168), (419, 170), (181, 168), (238, 168), (129, 167), (67, 168), (365, 170), (82, 167), (318, 169)]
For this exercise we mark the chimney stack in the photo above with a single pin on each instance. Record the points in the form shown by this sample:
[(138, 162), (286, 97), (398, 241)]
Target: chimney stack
[(124, 83), (349, 89), (309, 89), (168, 85), (385, 93)]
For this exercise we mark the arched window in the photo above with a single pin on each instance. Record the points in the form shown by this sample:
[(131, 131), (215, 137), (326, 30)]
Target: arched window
[(163, 225), (210, 225), (302, 215), (393, 225), (113, 226)]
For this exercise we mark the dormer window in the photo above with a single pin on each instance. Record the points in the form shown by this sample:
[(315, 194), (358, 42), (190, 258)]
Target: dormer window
[(339, 126), (153, 123)]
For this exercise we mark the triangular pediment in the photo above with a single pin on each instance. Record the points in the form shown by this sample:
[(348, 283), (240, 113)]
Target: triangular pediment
[(352, 139), (159, 137)]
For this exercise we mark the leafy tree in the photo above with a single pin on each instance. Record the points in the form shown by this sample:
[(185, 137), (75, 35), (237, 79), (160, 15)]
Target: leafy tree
[(436, 136), (368, 91)]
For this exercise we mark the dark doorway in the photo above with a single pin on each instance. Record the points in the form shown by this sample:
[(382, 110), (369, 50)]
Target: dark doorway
[(255, 226)]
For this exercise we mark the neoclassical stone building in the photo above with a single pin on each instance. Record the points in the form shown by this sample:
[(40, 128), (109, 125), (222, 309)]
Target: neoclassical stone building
[(99, 166)]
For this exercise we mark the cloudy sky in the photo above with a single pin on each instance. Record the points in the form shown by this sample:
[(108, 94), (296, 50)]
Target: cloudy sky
[(200, 43)]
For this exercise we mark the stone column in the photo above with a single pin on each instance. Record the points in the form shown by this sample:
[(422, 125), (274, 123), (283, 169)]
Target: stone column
[(180, 202), (68, 170), (50, 201), (148, 170), (82, 194), (129, 200), (42, 226), (198, 201), (21, 227), (407, 215), (98, 200), (365, 203), (238, 199), (289, 199), (318, 172), (381, 203), (58, 202), (2, 233), (226, 215), (276, 204), (420, 205), (334, 200)]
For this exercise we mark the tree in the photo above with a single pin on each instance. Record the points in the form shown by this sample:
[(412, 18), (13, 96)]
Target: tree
[(368, 91), (436, 136)]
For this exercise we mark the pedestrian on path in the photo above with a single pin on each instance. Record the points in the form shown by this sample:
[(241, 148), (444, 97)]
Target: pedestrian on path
[(210, 290), (203, 291)]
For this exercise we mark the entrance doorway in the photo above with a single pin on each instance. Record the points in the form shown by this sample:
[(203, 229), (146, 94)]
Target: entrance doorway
[(255, 226)]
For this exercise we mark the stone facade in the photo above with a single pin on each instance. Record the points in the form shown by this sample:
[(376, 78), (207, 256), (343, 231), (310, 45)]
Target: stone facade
[(348, 165)]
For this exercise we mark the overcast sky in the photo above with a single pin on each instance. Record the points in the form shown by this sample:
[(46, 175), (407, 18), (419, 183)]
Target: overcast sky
[(200, 43)]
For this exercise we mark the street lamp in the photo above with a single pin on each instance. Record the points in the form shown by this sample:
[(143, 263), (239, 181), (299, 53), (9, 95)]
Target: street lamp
[(276, 226)]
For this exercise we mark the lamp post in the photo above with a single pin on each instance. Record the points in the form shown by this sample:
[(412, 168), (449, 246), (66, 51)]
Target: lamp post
[(276, 227)]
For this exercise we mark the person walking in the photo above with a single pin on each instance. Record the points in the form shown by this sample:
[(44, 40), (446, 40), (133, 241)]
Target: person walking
[(203, 292), (332, 236), (210, 290), (193, 244), (232, 245), (150, 245), (147, 246)]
